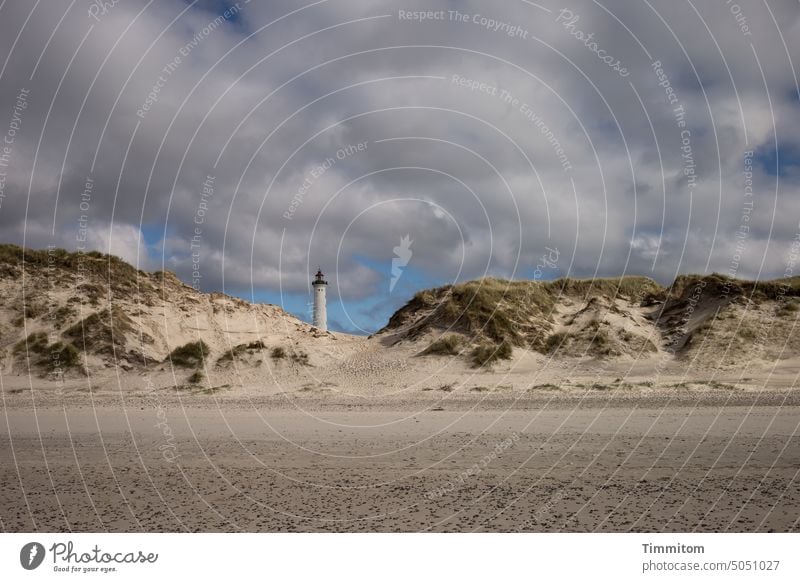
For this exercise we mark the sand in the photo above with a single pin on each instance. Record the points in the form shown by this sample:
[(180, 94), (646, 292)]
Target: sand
[(708, 461), (286, 428)]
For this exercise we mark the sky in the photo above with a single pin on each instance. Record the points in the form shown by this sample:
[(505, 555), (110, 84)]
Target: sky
[(403, 145)]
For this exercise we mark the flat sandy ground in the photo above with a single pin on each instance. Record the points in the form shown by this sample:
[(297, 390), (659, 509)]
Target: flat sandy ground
[(646, 463)]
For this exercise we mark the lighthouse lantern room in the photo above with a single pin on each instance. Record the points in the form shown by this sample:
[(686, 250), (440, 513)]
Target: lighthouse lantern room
[(320, 314)]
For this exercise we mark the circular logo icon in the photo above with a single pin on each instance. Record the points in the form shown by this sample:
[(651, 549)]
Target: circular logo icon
[(31, 555)]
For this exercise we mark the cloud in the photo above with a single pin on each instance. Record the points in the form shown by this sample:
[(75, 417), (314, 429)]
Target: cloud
[(122, 240), (482, 146)]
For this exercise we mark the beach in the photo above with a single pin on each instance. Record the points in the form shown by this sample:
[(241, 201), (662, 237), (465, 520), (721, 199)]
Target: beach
[(671, 461)]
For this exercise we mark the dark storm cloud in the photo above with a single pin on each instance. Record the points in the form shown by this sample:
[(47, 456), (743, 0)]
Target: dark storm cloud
[(552, 147)]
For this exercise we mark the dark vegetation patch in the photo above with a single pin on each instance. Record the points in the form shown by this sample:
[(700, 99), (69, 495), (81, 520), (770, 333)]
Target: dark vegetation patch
[(631, 288), (103, 332), (277, 353), (58, 355), (716, 385), (198, 389), (600, 344), (449, 345), (62, 355), (746, 333), (35, 343), (556, 340), (485, 355), (29, 307), (121, 277), (190, 355), (90, 293), (547, 386), (716, 285), (297, 356), (501, 311), (241, 350), (33, 308), (61, 315), (300, 357)]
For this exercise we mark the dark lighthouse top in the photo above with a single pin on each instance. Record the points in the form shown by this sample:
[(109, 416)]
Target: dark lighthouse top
[(319, 278)]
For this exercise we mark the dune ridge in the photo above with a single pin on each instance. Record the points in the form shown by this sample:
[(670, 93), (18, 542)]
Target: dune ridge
[(72, 316)]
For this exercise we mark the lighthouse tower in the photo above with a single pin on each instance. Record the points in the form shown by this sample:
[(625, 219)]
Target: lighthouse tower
[(320, 313)]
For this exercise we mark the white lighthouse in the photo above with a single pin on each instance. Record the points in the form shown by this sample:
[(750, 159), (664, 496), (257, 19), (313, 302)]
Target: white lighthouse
[(320, 313)]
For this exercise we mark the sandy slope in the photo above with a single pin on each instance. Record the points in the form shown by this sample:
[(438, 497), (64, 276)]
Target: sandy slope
[(120, 325)]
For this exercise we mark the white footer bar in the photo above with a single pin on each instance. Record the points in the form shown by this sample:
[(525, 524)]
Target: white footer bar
[(408, 557)]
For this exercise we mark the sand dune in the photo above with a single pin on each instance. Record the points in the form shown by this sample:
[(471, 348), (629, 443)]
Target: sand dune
[(608, 405)]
